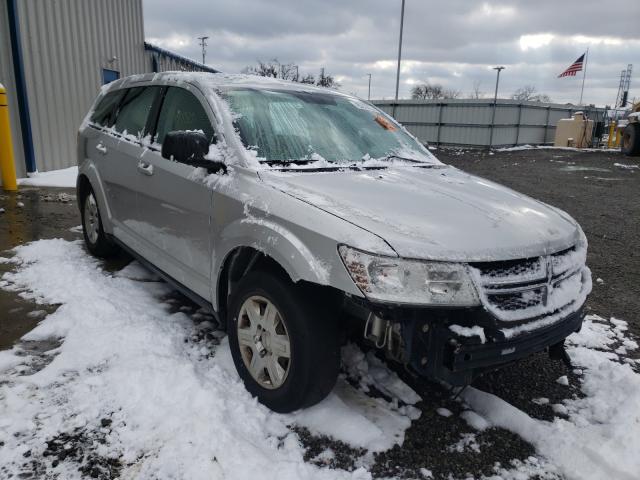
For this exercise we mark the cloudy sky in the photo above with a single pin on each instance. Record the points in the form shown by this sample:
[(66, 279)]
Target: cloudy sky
[(452, 42)]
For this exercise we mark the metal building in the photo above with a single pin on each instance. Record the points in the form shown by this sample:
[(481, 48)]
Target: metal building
[(54, 56)]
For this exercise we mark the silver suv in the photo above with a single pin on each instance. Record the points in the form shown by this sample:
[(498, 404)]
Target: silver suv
[(301, 216)]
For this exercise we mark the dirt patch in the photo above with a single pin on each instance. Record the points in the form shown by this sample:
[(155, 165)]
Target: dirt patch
[(31, 214)]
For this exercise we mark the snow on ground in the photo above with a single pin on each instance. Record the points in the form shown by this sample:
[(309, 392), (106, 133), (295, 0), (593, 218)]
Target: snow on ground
[(519, 148), (127, 375), (130, 386), (600, 435), (65, 177)]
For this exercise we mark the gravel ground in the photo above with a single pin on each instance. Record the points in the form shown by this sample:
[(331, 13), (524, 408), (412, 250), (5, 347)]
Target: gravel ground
[(603, 197)]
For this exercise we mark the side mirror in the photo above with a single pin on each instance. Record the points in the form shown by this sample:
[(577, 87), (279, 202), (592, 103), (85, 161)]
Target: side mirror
[(190, 148)]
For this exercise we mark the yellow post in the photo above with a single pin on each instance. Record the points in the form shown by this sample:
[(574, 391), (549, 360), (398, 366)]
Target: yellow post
[(7, 165), (619, 131), (612, 131)]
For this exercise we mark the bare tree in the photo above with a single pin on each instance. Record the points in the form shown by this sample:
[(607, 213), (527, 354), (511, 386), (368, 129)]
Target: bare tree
[(477, 93), (290, 71), (529, 93), (270, 68), (426, 91), (325, 80), (309, 79)]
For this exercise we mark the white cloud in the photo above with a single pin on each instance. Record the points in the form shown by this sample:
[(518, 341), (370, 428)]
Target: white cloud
[(535, 41)]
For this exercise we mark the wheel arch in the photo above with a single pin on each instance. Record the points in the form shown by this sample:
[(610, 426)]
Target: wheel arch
[(88, 179), (248, 245)]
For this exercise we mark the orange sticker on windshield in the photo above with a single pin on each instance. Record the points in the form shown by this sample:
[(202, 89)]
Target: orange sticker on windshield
[(386, 124)]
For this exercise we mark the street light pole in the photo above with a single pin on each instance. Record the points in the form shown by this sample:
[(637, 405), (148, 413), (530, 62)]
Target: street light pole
[(495, 104), (203, 44), (369, 92), (399, 58)]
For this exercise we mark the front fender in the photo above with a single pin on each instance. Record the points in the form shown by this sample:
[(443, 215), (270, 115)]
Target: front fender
[(324, 267)]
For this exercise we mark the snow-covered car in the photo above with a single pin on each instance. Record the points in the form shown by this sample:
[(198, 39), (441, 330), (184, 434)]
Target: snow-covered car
[(299, 216)]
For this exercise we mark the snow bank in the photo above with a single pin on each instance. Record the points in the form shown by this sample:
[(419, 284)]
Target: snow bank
[(600, 438), (519, 148), (55, 178), (164, 403)]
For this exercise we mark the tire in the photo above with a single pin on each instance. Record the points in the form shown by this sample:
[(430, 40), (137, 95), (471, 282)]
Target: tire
[(94, 237), (310, 372), (631, 139)]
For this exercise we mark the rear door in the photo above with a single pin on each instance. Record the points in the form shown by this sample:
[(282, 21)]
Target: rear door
[(99, 147), (174, 206), (121, 147)]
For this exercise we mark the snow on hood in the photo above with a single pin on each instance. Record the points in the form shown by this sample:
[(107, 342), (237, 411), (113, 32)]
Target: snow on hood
[(437, 213)]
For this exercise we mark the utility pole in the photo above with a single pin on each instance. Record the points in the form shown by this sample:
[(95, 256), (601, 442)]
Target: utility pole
[(369, 92), (399, 58), (203, 44), (495, 104)]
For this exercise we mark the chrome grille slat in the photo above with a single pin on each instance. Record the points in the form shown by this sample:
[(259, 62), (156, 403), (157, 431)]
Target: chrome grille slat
[(530, 288)]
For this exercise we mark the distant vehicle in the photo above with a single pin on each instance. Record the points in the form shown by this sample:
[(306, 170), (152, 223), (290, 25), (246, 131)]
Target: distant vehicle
[(298, 214), (631, 133)]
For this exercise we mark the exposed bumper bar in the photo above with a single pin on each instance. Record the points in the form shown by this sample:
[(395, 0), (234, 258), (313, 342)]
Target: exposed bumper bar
[(438, 353)]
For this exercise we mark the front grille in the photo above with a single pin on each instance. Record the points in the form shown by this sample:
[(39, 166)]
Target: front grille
[(532, 288)]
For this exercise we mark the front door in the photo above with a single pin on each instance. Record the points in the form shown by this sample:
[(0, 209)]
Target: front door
[(175, 209)]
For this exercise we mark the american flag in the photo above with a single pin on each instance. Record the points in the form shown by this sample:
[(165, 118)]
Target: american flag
[(573, 68)]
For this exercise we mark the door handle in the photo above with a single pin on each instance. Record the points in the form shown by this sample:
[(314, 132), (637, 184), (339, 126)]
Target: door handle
[(145, 168), (101, 148)]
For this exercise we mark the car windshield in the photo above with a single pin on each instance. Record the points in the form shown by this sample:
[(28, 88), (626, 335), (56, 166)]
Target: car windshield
[(297, 125)]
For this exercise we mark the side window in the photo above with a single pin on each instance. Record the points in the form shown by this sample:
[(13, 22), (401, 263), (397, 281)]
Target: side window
[(181, 110), (134, 110), (105, 111)]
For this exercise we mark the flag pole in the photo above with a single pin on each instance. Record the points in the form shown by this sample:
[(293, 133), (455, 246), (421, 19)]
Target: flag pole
[(584, 73)]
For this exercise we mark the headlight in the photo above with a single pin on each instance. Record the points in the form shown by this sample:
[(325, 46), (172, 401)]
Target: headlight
[(389, 279)]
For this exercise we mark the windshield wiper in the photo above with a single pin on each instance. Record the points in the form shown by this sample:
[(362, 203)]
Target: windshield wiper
[(422, 163), (406, 159), (303, 161)]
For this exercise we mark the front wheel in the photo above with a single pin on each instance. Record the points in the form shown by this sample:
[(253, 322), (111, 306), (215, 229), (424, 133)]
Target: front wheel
[(284, 344)]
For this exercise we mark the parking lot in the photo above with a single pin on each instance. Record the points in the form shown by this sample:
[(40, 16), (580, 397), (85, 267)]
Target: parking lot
[(599, 189)]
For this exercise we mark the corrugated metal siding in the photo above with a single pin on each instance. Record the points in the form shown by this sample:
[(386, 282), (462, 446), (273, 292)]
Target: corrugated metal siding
[(468, 122), (6, 78), (66, 44)]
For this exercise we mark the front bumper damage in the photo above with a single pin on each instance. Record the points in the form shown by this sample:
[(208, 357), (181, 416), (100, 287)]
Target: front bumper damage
[(433, 350), (439, 353)]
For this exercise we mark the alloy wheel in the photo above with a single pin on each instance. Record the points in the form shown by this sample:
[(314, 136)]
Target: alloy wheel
[(264, 342), (91, 221)]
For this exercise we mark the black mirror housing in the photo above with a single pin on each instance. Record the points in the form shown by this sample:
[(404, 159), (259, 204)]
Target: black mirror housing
[(190, 148), (183, 146)]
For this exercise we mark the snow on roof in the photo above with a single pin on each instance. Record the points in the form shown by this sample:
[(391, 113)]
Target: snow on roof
[(207, 81)]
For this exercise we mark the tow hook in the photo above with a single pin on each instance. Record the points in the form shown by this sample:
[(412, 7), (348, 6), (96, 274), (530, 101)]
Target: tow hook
[(558, 352)]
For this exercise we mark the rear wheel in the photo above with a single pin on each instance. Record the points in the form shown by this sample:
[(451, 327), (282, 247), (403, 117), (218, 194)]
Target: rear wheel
[(284, 344), (94, 237), (631, 139)]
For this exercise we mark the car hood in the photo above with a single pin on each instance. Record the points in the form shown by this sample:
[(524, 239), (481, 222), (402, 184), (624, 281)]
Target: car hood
[(437, 213)]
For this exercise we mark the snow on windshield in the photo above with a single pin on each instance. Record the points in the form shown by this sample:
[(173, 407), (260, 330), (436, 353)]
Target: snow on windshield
[(294, 125)]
